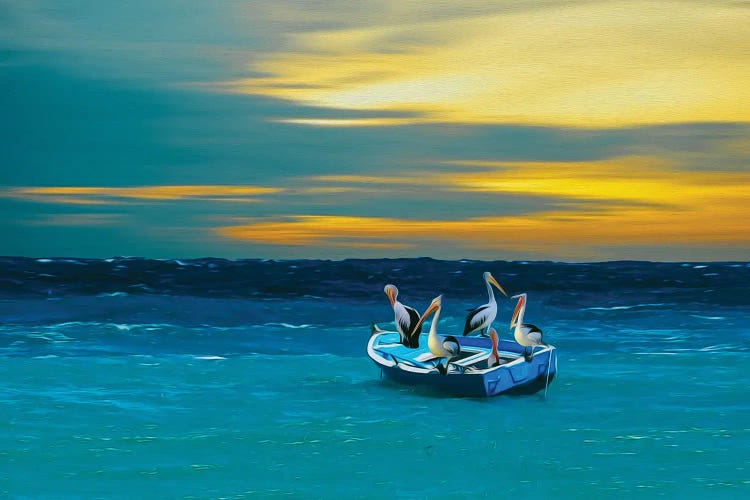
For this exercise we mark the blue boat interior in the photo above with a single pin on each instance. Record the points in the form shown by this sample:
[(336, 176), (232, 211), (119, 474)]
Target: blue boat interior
[(474, 353)]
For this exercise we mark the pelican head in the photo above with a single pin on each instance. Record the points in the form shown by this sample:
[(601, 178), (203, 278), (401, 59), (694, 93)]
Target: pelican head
[(434, 306), (392, 292), (493, 335), (491, 279), (520, 307)]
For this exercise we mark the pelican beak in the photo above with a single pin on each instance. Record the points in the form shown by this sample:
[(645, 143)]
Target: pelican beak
[(519, 307), (497, 285), (434, 306), (389, 293)]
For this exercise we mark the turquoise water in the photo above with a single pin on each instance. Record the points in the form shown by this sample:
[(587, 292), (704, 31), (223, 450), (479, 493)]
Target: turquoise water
[(212, 398)]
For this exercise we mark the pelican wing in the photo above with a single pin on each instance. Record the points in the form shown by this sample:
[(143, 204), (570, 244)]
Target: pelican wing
[(413, 320), (412, 336), (532, 332), (451, 345), (475, 318), (403, 319)]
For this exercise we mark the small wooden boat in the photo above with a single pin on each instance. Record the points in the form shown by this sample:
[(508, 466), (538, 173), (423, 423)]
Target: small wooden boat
[(468, 373)]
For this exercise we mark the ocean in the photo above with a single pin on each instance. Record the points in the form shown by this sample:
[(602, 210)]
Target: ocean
[(211, 378)]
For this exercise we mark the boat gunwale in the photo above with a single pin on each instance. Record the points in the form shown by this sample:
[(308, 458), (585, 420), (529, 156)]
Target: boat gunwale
[(405, 365)]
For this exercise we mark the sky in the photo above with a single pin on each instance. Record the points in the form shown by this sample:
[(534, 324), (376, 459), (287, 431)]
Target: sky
[(514, 130)]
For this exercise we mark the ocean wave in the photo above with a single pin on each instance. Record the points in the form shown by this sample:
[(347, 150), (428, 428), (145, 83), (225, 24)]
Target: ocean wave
[(625, 308), (722, 347), (288, 325), (123, 327), (358, 278), (113, 294), (717, 348)]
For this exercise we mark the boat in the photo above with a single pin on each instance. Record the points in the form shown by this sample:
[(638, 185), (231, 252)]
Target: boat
[(468, 374)]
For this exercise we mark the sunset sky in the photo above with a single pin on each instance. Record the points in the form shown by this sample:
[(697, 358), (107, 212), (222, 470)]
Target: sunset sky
[(513, 130)]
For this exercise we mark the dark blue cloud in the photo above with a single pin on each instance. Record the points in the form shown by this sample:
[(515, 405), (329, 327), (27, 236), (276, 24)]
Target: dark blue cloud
[(63, 129), (67, 131)]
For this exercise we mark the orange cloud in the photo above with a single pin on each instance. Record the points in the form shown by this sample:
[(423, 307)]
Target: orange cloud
[(563, 233)]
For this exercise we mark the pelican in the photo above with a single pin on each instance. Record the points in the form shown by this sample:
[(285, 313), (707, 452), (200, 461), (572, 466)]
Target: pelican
[(482, 317), (525, 334), (407, 319), (442, 347), (494, 358)]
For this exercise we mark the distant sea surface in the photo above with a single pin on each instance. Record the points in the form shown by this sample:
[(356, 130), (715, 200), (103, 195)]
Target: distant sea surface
[(127, 378)]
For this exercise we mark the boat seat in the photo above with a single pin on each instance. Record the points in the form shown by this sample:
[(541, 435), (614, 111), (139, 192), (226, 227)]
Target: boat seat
[(470, 357), (465, 357), (481, 363)]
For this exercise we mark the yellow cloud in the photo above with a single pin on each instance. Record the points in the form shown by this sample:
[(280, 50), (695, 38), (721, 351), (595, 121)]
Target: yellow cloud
[(343, 122), (630, 179), (640, 201), (585, 64), (645, 180), (98, 195)]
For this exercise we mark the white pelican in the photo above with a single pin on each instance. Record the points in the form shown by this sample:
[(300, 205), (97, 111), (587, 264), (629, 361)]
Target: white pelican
[(442, 347), (482, 317), (525, 334), (494, 358), (407, 319)]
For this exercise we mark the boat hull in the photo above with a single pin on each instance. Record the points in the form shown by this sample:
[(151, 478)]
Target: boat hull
[(469, 377)]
